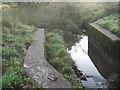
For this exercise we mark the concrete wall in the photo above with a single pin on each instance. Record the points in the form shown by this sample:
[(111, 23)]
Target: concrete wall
[(105, 42), (38, 68)]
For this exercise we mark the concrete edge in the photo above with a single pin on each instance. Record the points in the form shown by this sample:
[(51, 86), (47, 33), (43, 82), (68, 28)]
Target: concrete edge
[(105, 31), (35, 65)]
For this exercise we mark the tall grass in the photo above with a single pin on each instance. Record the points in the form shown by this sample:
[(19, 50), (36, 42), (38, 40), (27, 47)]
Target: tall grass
[(14, 46), (60, 58), (56, 15), (111, 23), (62, 18)]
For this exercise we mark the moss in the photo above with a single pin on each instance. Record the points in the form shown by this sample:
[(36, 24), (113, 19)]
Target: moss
[(105, 44)]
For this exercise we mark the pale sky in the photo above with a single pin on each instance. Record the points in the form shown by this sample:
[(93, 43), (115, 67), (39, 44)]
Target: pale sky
[(60, 0)]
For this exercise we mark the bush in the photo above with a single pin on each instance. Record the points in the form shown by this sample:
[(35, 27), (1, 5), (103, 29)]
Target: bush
[(111, 7)]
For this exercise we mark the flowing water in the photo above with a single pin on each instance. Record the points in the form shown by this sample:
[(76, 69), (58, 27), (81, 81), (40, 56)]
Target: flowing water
[(91, 63)]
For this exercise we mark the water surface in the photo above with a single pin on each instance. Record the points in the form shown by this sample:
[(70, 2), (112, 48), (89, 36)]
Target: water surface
[(79, 53)]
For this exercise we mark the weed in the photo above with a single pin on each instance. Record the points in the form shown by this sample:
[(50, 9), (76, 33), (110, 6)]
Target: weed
[(73, 80), (9, 79), (60, 59), (110, 23), (68, 70), (57, 63), (15, 43), (62, 18)]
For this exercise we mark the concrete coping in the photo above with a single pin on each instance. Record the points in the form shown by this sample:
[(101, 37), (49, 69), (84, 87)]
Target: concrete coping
[(106, 32), (39, 69)]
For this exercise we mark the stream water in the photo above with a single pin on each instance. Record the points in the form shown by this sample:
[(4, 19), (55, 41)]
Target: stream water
[(90, 63)]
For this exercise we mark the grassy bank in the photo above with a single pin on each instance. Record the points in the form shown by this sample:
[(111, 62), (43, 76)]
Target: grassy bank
[(61, 60), (68, 18), (110, 23), (14, 47)]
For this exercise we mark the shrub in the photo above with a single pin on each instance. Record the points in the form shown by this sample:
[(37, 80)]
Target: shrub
[(111, 7)]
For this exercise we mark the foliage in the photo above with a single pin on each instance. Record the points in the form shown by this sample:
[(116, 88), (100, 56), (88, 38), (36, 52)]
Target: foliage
[(68, 70), (62, 18), (111, 7), (73, 80), (60, 58), (111, 23), (65, 16), (15, 43)]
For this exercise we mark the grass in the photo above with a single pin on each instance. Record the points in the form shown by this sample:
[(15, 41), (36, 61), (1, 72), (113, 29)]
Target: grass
[(110, 23), (61, 60), (14, 47), (67, 17), (64, 16)]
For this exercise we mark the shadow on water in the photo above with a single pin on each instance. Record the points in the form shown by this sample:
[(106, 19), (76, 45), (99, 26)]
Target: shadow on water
[(106, 64), (71, 38), (103, 73)]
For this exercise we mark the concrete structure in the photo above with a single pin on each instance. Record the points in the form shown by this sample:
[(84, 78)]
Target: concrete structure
[(38, 68), (107, 43)]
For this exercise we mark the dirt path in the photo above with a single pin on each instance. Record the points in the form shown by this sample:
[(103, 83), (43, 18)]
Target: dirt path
[(38, 68)]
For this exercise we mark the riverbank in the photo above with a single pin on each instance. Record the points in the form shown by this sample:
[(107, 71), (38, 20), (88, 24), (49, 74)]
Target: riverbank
[(37, 67), (14, 47), (67, 18), (61, 59), (104, 44)]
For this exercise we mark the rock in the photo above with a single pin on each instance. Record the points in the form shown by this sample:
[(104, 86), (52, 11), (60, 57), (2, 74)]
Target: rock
[(80, 73), (84, 30), (52, 77), (113, 81), (83, 77), (89, 76)]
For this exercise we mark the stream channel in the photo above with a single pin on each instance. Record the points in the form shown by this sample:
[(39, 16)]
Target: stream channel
[(90, 62)]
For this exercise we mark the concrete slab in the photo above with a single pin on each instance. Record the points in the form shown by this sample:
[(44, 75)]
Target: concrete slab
[(38, 68), (105, 31)]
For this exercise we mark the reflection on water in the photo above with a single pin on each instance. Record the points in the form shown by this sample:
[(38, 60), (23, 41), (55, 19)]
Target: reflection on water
[(79, 53), (106, 64), (92, 61), (101, 63)]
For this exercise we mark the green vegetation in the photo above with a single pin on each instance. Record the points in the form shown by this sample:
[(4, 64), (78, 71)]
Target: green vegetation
[(14, 46), (59, 20), (61, 59), (55, 15), (110, 23), (106, 43)]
